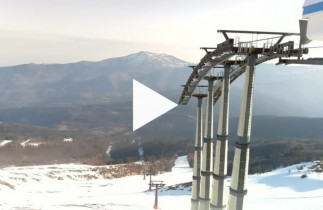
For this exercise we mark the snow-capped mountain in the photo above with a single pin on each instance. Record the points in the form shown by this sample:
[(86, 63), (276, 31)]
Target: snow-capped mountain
[(162, 60), (88, 82), (110, 80), (34, 87)]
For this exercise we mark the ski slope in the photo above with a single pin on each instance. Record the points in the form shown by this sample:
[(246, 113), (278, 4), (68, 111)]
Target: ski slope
[(74, 186)]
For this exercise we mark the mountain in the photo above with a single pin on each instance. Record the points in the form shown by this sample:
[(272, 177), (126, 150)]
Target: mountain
[(98, 95), (279, 90), (85, 82), (151, 60)]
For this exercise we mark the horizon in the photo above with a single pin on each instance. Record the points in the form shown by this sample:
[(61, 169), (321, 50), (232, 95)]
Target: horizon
[(96, 61), (64, 32)]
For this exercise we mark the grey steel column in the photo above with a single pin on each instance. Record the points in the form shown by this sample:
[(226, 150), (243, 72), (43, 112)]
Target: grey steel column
[(219, 187), (238, 187), (207, 152), (156, 198), (197, 154)]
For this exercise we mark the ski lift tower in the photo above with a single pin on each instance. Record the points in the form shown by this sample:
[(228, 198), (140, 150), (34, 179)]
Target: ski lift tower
[(237, 57), (158, 185)]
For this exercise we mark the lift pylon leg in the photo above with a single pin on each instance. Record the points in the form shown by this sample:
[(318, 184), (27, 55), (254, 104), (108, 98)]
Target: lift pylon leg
[(197, 154), (219, 187), (207, 152), (238, 187)]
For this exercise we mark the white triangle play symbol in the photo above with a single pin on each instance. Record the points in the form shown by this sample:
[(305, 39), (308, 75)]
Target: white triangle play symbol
[(148, 105)]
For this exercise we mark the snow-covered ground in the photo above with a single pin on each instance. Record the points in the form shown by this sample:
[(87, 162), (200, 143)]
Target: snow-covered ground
[(285, 189), (75, 186), (4, 142)]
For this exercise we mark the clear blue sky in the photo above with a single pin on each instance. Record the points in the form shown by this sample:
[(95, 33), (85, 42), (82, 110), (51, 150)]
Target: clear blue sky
[(61, 31)]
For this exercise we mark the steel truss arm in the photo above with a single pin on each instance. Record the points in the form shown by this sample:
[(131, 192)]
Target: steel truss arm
[(224, 51), (237, 72), (198, 75)]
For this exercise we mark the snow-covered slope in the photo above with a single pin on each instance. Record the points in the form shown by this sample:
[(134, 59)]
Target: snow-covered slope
[(285, 189), (80, 187)]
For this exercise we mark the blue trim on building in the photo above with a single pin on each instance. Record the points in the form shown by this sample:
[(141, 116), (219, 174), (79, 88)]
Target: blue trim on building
[(313, 8)]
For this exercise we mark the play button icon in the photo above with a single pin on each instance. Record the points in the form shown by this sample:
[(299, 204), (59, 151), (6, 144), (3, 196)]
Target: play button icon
[(148, 105)]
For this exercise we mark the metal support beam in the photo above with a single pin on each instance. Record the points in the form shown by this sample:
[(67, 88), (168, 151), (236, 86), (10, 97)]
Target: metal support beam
[(150, 182), (225, 35), (219, 187), (310, 61), (198, 74), (157, 185), (207, 153), (197, 153), (278, 50), (241, 156), (156, 197), (280, 39), (258, 32), (200, 86), (206, 49)]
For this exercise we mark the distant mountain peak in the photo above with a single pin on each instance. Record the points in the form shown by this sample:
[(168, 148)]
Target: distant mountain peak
[(163, 60)]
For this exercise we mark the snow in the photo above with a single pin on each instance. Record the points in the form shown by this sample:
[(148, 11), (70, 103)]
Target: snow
[(4, 142), (68, 140), (285, 188), (23, 144), (31, 144), (163, 60), (74, 186), (108, 152)]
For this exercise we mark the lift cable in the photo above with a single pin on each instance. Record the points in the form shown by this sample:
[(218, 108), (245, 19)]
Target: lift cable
[(187, 147), (163, 149)]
